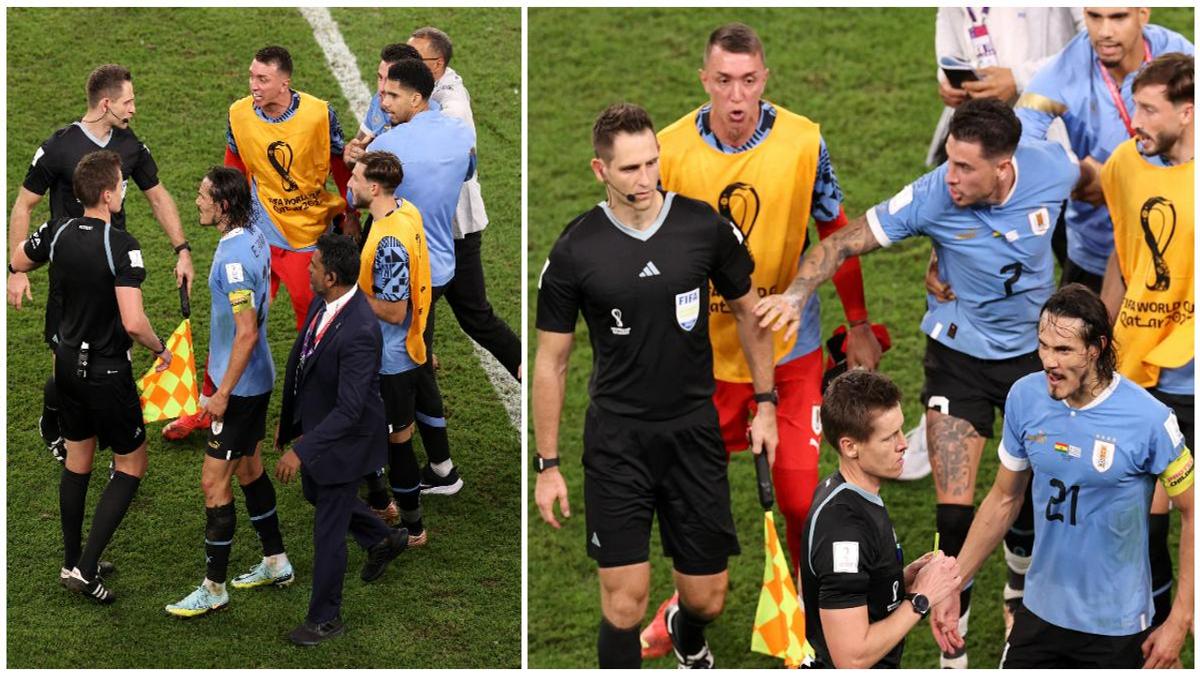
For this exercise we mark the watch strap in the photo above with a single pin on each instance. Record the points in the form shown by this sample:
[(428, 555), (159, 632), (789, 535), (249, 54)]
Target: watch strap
[(540, 463)]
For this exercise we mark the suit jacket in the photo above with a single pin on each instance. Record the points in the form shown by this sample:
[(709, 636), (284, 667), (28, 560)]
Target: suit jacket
[(338, 408)]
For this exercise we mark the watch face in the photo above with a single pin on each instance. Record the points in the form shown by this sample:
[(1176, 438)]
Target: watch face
[(920, 603)]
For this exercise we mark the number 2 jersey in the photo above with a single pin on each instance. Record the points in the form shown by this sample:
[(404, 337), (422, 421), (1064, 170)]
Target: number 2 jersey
[(644, 296), (1093, 476), (996, 257), (239, 281)]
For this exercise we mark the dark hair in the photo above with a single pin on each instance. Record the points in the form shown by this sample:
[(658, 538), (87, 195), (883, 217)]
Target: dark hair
[(735, 38), (618, 118), (106, 82), (274, 55), (232, 193), (988, 122), (852, 402), (1173, 70), (399, 50), (383, 168), (1076, 301), (412, 74), (339, 255), (438, 40), (96, 172)]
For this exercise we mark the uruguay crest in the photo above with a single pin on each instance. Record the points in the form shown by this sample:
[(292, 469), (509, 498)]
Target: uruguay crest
[(1103, 453)]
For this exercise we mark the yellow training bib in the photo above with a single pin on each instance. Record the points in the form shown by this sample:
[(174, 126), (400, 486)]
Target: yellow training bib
[(406, 225)]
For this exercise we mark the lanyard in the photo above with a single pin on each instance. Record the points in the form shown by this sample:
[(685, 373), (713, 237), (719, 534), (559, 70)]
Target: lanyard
[(1115, 91), (321, 333), (982, 16)]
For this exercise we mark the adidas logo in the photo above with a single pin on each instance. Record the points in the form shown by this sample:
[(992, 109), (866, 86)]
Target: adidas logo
[(595, 540), (648, 271)]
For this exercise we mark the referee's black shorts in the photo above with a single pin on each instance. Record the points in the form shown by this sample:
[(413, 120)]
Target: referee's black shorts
[(677, 467), (1037, 644), (399, 393), (968, 388), (237, 434), (105, 404), (53, 314)]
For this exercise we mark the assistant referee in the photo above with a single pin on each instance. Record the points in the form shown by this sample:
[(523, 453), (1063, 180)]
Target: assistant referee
[(100, 273), (638, 267)]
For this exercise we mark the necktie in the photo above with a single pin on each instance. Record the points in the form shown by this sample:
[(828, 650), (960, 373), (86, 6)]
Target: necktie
[(310, 345)]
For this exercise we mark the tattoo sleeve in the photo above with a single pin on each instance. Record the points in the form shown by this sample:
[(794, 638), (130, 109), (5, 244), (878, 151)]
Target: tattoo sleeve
[(820, 264)]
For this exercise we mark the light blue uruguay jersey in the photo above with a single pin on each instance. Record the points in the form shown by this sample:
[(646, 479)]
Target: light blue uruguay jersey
[(438, 156), (376, 121), (389, 281), (1093, 476), (1071, 86), (240, 280), (996, 257)]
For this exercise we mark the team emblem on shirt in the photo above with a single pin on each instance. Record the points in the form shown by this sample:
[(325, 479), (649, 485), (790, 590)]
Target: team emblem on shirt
[(845, 557), (1039, 221), (1103, 451), (687, 308)]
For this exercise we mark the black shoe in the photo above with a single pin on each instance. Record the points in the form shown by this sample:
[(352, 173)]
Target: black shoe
[(94, 589), (433, 484), (379, 555), (311, 634), (103, 569)]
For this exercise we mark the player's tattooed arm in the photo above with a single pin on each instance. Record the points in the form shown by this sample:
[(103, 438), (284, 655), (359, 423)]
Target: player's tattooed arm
[(817, 266), (954, 451)]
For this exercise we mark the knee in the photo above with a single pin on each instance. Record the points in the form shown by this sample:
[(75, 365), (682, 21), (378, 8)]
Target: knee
[(625, 607), (132, 464), (249, 469), (706, 603)]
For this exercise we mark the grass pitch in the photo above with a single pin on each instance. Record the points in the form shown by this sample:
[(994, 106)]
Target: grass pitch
[(867, 76), (454, 604)]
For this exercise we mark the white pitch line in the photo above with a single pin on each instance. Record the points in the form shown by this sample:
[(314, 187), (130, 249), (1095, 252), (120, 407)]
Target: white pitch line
[(345, 71)]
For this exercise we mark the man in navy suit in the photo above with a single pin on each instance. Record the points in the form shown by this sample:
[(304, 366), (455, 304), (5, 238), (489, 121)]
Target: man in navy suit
[(333, 411)]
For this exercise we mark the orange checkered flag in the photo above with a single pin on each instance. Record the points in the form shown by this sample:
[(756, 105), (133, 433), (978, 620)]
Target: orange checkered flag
[(173, 393), (779, 621)]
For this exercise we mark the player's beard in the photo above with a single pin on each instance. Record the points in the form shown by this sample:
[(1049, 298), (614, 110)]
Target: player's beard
[(1161, 145)]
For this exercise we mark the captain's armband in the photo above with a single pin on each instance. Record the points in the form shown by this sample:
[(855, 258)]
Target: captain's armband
[(1179, 475), (241, 299)]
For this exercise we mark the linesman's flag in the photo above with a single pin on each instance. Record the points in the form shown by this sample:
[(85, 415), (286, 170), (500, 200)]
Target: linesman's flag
[(779, 621), (172, 393)]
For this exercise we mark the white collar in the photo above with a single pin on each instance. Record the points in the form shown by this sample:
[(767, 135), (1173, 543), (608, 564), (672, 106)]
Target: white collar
[(1016, 178), (231, 233), (334, 307), (1101, 397)]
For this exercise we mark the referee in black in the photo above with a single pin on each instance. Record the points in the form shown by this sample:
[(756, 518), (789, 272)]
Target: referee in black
[(638, 267), (105, 126), (859, 598), (100, 272)]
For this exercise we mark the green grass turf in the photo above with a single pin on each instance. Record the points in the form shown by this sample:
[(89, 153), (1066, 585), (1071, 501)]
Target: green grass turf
[(454, 604), (867, 76)]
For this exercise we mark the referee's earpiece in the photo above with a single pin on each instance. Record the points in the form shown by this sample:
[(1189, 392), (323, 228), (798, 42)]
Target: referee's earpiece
[(628, 197)]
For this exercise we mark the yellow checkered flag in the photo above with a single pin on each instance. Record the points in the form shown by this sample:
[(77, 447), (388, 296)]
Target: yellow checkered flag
[(779, 621), (173, 393)]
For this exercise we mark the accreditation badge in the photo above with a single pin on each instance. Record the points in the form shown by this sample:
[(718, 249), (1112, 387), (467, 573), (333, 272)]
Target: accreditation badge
[(687, 308)]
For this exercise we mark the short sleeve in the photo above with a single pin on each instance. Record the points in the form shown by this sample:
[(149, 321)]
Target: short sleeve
[(1166, 444), (39, 177), (145, 170), (838, 554), (229, 141), (827, 193), (129, 268), (37, 246), (732, 262), (390, 271), (337, 141), (558, 292), (1012, 440), (900, 217)]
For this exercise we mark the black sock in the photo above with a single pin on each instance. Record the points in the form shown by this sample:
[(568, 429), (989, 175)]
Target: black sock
[(1160, 566), (688, 631), (48, 426), (619, 648), (72, 496), (378, 495), (405, 478), (218, 541), (431, 416), (953, 523), (260, 505), (114, 502)]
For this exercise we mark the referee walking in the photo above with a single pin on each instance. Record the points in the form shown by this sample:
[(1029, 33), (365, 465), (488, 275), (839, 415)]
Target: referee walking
[(101, 275), (638, 267)]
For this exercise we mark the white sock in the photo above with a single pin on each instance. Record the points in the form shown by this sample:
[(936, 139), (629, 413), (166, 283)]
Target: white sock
[(442, 468)]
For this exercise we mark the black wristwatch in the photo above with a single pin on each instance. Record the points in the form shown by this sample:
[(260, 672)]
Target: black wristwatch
[(11, 270), (920, 603), (771, 397), (185, 246), (540, 463)]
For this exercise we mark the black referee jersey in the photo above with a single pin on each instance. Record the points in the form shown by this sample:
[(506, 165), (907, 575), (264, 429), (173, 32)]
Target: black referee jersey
[(644, 295), (851, 558), (53, 167), (99, 258)]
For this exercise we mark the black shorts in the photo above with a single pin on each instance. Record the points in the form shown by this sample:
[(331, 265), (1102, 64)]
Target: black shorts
[(104, 405), (1184, 408), (968, 388), (399, 399), (239, 431), (677, 468), (1034, 643), (53, 314)]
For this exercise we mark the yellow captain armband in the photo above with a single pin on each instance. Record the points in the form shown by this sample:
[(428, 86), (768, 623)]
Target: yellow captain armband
[(1179, 476), (243, 298), (1041, 104)]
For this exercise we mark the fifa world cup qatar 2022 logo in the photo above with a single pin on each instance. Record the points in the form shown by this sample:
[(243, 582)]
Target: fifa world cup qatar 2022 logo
[(280, 156), (1158, 229), (739, 203)]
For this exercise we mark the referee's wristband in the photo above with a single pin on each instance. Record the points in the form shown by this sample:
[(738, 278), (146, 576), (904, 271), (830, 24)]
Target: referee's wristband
[(164, 347), (11, 270)]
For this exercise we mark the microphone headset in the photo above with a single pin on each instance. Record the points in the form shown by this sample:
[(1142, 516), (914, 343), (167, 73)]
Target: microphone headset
[(629, 197)]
